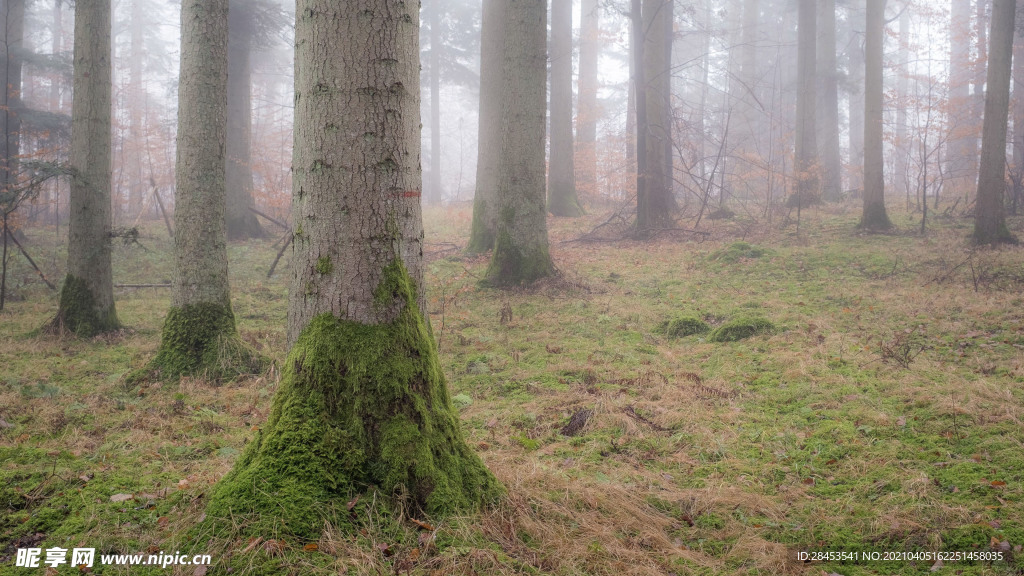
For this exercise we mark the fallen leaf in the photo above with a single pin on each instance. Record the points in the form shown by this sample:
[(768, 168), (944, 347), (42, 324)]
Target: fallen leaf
[(414, 554), (85, 477), (51, 572), (200, 570), (183, 483), (162, 521), (998, 483), (385, 549), (808, 481), (352, 503), (311, 547), (120, 497), (937, 566), (273, 547), (5, 424), (901, 421)]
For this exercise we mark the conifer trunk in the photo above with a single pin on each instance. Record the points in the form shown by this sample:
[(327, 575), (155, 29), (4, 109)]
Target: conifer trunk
[(362, 402), (588, 112), (562, 198), (87, 297), (242, 223)]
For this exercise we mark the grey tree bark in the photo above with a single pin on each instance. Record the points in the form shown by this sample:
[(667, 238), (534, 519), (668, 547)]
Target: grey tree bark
[(362, 405), (806, 164), (199, 334), (521, 244), (562, 198), (990, 210), (963, 142), (828, 103), (485, 200), (901, 144), (655, 203), (12, 36), (132, 153), (435, 192), (588, 112), (855, 82), (87, 297), (1017, 104), (874, 216), (242, 223)]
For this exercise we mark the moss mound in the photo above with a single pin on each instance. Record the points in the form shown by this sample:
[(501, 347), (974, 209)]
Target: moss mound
[(359, 408), (740, 250), (741, 328), (683, 326), (77, 311), (202, 339)]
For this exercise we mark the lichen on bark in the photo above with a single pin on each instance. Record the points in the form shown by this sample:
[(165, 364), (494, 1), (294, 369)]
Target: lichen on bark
[(79, 313), (360, 407)]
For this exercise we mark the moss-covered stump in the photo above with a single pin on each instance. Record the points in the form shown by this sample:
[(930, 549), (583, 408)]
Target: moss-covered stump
[(202, 339), (79, 313), (359, 408), (740, 329), (683, 326)]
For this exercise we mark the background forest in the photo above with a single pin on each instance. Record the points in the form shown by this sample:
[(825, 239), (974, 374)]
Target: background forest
[(707, 284)]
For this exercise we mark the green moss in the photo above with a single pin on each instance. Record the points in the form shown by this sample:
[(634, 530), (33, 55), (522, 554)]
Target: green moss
[(740, 329), (78, 311), (324, 265), (202, 339), (359, 408), (512, 266), (875, 218), (740, 250), (683, 326), (565, 204), (481, 235)]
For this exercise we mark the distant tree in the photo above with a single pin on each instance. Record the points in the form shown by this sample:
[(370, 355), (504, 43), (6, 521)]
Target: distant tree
[(875, 216), (652, 34), (588, 111), (242, 33), (827, 114), (199, 334), (521, 237), (485, 200), (806, 162), (854, 85), (362, 402), (562, 198), (990, 211), (963, 147), (87, 297), (1017, 110)]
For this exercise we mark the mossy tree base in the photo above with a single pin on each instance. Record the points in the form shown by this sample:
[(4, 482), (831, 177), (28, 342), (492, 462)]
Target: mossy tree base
[(246, 227), (565, 205), (1001, 235), (875, 219), (202, 339), (78, 312), (360, 407), (514, 266)]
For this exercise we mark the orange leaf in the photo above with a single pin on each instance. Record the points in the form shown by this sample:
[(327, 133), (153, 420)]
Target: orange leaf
[(422, 525), (998, 483), (311, 547)]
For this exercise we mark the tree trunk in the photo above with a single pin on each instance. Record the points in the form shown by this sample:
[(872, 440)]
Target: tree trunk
[(362, 404), (901, 143), (485, 200), (875, 216), (87, 297), (562, 199), (133, 149), (828, 103), (855, 81), (990, 212), (242, 224), (1018, 119), (656, 204), (588, 112), (963, 144), (436, 194), (521, 245), (12, 36), (199, 333), (806, 163)]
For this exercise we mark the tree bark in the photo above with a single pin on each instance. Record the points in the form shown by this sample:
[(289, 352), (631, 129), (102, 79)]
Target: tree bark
[(656, 204), (562, 199), (87, 297), (806, 164), (436, 193), (828, 103), (199, 334), (874, 216), (12, 36), (588, 111), (1018, 118), (242, 224), (901, 144), (485, 200), (855, 81), (521, 245), (990, 211), (362, 405), (963, 144)]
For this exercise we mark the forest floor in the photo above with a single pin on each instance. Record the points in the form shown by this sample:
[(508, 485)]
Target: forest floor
[(882, 414)]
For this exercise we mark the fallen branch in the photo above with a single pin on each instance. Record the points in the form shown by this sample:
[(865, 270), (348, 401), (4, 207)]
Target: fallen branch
[(30, 260), (279, 254), (268, 218)]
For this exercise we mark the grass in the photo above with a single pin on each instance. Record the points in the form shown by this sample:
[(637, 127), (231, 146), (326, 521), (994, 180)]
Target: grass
[(884, 413)]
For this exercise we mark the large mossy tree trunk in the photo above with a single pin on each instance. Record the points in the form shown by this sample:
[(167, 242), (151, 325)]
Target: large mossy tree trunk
[(362, 403), (485, 199), (588, 111), (87, 297), (241, 221), (521, 244), (874, 217), (655, 202), (990, 211), (199, 335), (562, 198)]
